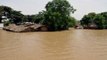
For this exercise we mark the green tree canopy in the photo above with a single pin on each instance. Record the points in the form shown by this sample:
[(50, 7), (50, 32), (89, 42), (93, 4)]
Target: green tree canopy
[(16, 17), (100, 20), (13, 15), (57, 14), (6, 11), (88, 19)]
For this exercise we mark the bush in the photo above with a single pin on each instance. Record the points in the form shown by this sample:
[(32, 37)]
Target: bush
[(6, 23)]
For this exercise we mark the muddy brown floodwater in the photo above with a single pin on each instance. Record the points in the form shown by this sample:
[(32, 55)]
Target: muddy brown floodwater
[(64, 45)]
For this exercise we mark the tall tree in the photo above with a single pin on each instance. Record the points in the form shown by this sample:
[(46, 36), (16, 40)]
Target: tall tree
[(57, 14)]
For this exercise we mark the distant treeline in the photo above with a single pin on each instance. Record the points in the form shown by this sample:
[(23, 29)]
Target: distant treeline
[(56, 17)]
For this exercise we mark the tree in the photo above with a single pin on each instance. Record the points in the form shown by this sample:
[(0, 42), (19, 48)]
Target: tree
[(24, 18), (13, 15), (87, 20), (16, 17), (39, 18), (72, 21), (6, 11), (57, 14), (104, 14), (100, 21)]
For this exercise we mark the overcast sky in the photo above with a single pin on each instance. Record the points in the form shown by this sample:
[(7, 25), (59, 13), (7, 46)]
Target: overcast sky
[(34, 6)]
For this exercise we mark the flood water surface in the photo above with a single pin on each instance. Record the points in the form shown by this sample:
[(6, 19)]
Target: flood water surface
[(64, 45)]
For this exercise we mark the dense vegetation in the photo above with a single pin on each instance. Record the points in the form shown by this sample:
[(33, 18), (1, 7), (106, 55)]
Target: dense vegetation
[(13, 15), (98, 20), (56, 17)]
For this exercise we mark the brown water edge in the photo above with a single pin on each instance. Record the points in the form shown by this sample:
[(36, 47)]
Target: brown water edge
[(65, 45)]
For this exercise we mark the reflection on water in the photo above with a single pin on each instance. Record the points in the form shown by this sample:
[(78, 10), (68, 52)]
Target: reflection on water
[(64, 45)]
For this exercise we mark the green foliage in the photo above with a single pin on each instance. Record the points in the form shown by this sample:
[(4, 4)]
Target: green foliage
[(5, 10), (88, 19), (2, 9), (39, 18), (6, 23), (54, 21), (25, 18), (72, 21), (61, 6), (100, 20), (104, 14), (16, 17), (57, 14), (29, 18), (13, 15)]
